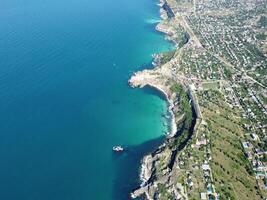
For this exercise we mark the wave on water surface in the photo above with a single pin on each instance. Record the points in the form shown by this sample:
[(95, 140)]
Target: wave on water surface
[(152, 21)]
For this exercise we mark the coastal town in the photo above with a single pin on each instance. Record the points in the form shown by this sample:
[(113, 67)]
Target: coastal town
[(216, 85)]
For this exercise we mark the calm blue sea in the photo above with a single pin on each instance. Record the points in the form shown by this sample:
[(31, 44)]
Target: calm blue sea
[(64, 98)]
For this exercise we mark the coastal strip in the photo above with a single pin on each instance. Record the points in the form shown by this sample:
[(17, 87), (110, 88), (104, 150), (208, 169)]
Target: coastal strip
[(206, 92), (161, 78)]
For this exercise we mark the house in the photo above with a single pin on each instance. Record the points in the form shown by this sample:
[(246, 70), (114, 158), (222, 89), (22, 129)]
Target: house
[(190, 182), (203, 195), (202, 141), (249, 155), (254, 136), (205, 167), (246, 145)]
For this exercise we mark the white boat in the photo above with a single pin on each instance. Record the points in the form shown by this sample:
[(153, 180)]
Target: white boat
[(118, 148)]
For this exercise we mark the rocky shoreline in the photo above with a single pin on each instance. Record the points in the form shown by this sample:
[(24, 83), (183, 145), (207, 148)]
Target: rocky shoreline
[(159, 78)]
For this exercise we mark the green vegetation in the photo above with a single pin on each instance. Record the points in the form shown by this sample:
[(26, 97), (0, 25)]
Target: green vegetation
[(167, 56), (261, 36), (232, 171), (184, 103), (186, 109), (263, 21), (163, 193), (181, 37), (215, 85), (184, 37)]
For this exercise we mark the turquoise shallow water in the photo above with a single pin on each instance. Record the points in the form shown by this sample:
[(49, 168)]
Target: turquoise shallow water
[(64, 99)]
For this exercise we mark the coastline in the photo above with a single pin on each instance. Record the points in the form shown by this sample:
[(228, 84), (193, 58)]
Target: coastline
[(165, 91), (173, 126), (185, 165), (144, 78)]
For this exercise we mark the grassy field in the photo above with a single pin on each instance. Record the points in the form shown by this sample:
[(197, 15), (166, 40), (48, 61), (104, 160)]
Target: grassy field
[(233, 177), (231, 174), (214, 85)]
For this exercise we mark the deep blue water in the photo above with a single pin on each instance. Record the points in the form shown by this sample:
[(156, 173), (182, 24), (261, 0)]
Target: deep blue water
[(64, 98)]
